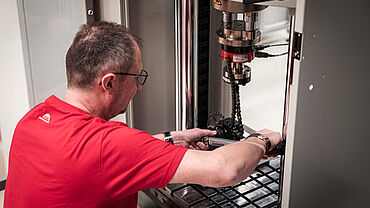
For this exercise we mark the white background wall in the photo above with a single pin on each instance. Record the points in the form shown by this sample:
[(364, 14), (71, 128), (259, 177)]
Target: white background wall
[(14, 102), (262, 100), (34, 38), (32, 70)]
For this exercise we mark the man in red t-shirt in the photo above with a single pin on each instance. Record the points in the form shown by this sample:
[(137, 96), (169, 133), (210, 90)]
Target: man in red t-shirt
[(66, 153)]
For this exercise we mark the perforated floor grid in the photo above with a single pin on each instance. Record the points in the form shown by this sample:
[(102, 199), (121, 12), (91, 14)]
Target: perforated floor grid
[(258, 190)]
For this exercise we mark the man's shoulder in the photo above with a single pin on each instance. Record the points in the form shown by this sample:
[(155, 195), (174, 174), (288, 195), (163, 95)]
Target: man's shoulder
[(120, 133), (117, 127), (37, 110), (41, 109)]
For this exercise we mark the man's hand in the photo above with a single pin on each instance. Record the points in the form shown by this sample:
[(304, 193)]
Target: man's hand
[(190, 138), (274, 137)]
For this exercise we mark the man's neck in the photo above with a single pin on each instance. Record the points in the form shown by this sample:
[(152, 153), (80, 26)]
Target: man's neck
[(88, 102)]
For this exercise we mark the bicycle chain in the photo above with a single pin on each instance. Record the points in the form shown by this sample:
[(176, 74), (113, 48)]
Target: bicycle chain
[(236, 111)]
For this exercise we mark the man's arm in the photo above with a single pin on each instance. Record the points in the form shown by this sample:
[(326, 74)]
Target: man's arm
[(224, 166), (189, 138), (159, 136)]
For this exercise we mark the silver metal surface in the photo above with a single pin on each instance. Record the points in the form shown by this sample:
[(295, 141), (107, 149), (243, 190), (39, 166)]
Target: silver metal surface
[(279, 3), (240, 71), (178, 64), (327, 144), (289, 79), (250, 20), (248, 129), (195, 63), (217, 142), (229, 17), (236, 7), (246, 38), (154, 106), (185, 63), (288, 84), (125, 15)]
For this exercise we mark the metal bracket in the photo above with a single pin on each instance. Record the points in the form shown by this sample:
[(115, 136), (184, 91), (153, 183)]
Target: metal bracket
[(92, 11), (297, 45)]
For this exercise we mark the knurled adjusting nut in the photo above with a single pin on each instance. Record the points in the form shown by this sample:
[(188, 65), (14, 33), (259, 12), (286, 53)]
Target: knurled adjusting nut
[(263, 138)]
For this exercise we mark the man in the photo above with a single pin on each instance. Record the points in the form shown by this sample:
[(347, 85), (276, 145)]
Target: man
[(65, 153)]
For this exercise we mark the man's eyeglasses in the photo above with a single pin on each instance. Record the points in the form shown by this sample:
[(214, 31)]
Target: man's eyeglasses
[(141, 78)]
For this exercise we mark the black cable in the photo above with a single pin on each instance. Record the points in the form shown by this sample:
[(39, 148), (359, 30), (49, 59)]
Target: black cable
[(266, 55), (281, 54), (261, 47), (279, 44)]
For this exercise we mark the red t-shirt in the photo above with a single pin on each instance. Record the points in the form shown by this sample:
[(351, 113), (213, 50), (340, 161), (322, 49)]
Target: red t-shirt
[(62, 156)]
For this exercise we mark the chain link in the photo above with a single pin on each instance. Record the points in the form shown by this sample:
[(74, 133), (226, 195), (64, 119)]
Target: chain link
[(235, 97)]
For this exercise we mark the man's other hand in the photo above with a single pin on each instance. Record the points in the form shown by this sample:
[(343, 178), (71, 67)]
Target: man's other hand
[(190, 138)]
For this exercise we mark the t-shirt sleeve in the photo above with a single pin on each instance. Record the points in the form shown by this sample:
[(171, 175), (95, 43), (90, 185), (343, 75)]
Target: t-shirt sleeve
[(133, 160)]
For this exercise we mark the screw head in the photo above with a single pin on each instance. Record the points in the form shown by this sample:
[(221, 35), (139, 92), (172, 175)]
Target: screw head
[(310, 87), (323, 76), (90, 12), (314, 35)]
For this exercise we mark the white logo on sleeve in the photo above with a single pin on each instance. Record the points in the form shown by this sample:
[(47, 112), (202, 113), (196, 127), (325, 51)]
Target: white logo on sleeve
[(45, 118)]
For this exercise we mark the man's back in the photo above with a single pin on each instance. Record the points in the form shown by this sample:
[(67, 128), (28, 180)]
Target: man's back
[(60, 158)]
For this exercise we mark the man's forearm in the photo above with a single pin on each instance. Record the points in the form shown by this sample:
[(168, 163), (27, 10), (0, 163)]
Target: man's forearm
[(159, 136), (162, 136), (239, 159), (224, 166), (243, 157)]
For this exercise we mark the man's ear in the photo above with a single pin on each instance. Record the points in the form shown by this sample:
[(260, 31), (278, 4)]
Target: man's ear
[(107, 81)]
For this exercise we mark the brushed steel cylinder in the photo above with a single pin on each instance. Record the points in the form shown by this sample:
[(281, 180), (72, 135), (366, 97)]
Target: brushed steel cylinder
[(250, 20), (186, 65), (236, 7)]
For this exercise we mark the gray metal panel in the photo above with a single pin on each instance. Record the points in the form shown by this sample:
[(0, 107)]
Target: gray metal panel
[(331, 162), (154, 106)]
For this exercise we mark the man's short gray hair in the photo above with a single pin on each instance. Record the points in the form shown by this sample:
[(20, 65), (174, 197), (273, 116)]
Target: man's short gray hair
[(96, 48)]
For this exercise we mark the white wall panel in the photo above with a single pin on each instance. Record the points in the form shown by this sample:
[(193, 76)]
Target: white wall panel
[(14, 102), (34, 38), (50, 28)]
